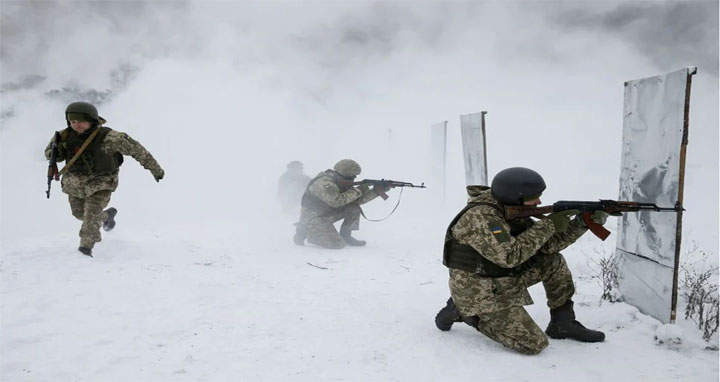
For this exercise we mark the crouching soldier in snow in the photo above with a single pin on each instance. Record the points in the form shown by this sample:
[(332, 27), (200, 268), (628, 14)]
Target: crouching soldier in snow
[(493, 261), (330, 198), (93, 154)]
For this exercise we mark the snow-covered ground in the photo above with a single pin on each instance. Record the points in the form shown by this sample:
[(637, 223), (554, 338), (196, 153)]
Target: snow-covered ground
[(201, 303)]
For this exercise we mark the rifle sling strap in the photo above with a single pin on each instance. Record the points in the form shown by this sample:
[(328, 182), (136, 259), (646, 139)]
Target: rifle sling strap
[(391, 212), (80, 151)]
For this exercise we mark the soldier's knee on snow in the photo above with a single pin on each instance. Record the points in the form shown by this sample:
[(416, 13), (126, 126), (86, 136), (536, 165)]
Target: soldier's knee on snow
[(335, 245), (537, 347), (534, 348)]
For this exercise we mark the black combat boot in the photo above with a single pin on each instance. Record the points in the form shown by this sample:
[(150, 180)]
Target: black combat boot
[(109, 223), (349, 240), (86, 251), (564, 325), (447, 316)]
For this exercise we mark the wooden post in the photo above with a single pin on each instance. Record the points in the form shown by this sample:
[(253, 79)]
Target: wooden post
[(681, 187)]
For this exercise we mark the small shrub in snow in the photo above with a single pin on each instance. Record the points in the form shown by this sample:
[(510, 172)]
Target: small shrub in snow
[(700, 290), (608, 276)]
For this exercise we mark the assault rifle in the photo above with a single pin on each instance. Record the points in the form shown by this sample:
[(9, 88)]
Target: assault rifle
[(612, 207), (385, 184), (52, 172)]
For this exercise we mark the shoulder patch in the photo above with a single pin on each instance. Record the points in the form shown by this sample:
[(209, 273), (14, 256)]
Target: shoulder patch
[(498, 231)]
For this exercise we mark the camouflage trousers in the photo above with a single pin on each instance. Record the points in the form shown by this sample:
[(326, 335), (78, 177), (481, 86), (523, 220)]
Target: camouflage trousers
[(320, 230), (511, 325), (90, 211)]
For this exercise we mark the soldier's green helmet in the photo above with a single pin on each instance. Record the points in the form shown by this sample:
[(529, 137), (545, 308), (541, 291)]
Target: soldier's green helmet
[(516, 184), (83, 108), (347, 168)]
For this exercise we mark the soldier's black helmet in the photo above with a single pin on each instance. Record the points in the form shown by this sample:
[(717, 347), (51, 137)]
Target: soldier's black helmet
[(513, 185), (83, 108)]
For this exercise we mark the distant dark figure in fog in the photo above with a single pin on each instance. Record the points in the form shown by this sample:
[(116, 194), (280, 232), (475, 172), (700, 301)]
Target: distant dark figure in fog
[(493, 261), (291, 185), (93, 155), (330, 198)]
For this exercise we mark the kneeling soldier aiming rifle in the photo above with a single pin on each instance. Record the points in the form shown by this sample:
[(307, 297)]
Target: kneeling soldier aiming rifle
[(495, 251), (334, 195)]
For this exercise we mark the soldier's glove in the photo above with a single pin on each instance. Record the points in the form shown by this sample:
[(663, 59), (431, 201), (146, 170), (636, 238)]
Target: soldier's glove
[(159, 175), (599, 217), (561, 219)]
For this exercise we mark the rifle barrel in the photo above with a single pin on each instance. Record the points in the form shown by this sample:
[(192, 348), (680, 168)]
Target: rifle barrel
[(394, 183)]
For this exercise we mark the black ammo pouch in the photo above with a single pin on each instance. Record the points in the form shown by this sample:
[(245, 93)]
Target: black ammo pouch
[(464, 257)]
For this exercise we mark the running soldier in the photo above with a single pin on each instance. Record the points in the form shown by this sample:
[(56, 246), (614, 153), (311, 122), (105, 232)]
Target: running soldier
[(93, 155)]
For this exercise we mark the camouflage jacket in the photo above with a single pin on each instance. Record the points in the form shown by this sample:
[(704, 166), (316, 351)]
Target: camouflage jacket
[(323, 194), (485, 229), (84, 185)]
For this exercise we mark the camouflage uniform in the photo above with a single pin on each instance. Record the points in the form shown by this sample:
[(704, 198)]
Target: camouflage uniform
[(325, 202), (531, 248), (89, 191)]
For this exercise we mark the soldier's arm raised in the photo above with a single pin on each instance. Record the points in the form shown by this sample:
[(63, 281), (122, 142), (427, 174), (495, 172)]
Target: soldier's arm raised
[(487, 232), (327, 191), (125, 145)]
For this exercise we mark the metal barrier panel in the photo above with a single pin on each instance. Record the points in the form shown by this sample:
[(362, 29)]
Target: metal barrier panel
[(472, 128), (655, 129), (438, 154)]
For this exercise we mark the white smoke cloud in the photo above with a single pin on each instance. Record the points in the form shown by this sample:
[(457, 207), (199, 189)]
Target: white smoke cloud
[(225, 93)]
